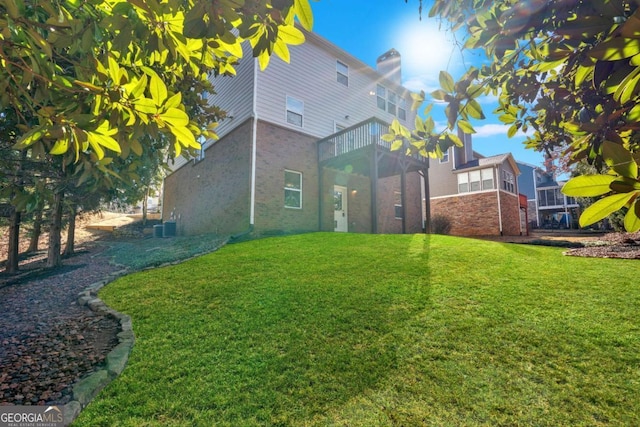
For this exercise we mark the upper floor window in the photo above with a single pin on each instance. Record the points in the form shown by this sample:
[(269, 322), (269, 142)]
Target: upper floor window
[(381, 97), (402, 108), (476, 180), (508, 182), (487, 179), (391, 102), (445, 157), (295, 111), (292, 189), (342, 73)]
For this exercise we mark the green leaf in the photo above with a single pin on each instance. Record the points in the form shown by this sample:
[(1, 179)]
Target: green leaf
[(32, 136), (184, 136), (439, 94), (304, 13), (475, 110), (145, 105), (60, 147), (397, 144), (290, 35), (174, 101), (604, 207), (632, 218), (616, 49), (466, 127), (619, 159), (513, 129), (157, 89), (625, 185), (507, 118), (104, 140), (446, 82), (175, 117), (588, 185), (453, 138)]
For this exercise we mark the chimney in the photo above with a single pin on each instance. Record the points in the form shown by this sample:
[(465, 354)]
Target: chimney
[(388, 64), (464, 154)]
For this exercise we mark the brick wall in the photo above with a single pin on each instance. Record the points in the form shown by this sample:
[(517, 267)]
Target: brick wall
[(213, 195), (471, 214), (359, 202), (477, 214), (278, 149), (510, 214), (387, 222)]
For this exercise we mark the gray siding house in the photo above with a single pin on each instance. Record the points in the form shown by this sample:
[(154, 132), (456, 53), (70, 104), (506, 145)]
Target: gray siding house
[(301, 150)]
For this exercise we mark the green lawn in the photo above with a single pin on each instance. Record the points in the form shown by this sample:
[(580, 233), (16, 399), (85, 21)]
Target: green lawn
[(335, 329)]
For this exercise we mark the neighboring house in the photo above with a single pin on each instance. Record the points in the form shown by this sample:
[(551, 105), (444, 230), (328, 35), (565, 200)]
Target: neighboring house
[(548, 207), (302, 150), (478, 195)]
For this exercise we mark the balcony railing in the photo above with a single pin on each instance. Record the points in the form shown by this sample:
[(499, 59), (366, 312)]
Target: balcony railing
[(356, 137)]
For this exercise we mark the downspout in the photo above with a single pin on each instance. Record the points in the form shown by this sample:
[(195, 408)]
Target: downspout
[(499, 201), (254, 143), (535, 198), (254, 140)]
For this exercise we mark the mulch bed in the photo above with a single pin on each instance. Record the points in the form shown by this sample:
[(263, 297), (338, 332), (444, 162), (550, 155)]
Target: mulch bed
[(611, 245), (48, 341)]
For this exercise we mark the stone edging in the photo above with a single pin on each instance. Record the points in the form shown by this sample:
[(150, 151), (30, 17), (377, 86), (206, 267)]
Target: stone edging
[(86, 389)]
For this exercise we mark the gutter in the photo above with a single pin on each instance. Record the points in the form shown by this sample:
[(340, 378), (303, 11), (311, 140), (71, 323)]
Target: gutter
[(499, 201)]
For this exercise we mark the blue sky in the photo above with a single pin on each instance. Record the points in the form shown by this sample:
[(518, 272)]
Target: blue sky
[(368, 28)]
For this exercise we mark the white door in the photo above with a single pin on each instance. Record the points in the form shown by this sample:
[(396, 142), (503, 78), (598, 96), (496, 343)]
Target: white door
[(340, 215)]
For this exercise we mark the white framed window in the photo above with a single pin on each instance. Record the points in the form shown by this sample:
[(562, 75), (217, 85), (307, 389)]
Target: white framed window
[(476, 180), (397, 205), (381, 96), (295, 111), (463, 183), (508, 181), (487, 179), (342, 73), (292, 189), (445, 157), (392, 102), (402, 108)]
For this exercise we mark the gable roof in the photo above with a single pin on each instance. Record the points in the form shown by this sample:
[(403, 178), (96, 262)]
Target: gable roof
[(490, 162)]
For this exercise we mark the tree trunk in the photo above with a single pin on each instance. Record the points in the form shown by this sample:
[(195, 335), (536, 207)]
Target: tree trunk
[(54, 259), (14, 240), (37, 230), (71, 233), (145, 206)]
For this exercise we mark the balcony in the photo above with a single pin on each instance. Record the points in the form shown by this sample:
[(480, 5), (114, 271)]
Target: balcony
[(356, 146)]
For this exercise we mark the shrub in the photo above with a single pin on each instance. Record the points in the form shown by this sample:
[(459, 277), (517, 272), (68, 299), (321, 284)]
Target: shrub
[(440, 224)]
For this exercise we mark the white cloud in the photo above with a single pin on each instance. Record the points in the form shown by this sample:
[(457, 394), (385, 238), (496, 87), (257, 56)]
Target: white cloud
[(493, 129), (418, 83)]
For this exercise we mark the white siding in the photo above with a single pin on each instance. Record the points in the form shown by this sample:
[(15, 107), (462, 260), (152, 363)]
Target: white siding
[(233, 94), (311, 77)]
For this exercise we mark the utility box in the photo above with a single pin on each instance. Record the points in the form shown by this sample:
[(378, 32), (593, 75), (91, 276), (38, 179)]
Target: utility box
[(158, 231), (169, 228)]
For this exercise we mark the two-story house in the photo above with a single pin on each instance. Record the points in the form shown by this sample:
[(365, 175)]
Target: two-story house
[(302, 150), (548, 206), (477, 195)]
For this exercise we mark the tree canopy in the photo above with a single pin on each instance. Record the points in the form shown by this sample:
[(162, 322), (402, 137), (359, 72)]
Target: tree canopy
[(97, 93), (566, 72)]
